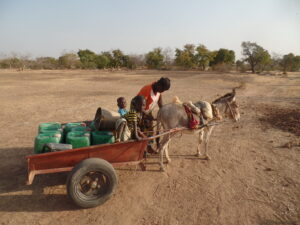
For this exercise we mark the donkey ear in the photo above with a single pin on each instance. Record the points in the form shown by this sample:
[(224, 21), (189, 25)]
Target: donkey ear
[(232, 95), (233, 92)]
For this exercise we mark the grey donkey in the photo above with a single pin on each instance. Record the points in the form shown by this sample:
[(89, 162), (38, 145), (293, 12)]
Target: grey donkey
[(173, 115)]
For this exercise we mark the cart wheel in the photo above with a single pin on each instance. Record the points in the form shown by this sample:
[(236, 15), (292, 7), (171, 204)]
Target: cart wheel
[(91, 182)]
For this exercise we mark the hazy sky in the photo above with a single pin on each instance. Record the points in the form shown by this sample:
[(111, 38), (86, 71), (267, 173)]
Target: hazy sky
[(51, 27)]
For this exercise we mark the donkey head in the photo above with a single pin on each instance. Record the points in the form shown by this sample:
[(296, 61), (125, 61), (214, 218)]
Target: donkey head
[(228, 102)]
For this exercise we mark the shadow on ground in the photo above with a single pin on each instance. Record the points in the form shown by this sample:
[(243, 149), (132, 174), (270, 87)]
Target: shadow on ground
[(16, 196), (285, 119)]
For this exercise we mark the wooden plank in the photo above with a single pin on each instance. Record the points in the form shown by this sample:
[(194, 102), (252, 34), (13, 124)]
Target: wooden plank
[(118, 153)]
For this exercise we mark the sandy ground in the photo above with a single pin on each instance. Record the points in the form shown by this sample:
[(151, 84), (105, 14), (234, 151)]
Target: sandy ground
[(252, 178)]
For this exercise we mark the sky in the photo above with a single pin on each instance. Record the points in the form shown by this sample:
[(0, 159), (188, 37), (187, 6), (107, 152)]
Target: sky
[(37, 28)]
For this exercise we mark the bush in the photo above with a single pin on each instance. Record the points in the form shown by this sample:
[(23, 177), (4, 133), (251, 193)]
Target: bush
[(48, 63), (242, 66), (87, 59), (155, 59), (11, 63), (222, 67), (69, 61)]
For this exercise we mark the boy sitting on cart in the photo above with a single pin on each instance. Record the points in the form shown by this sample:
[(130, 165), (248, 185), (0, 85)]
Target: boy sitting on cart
[(128, 127)]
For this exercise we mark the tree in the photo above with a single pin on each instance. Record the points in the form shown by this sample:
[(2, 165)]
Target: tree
[(118, 58), (224, 56), (10, 63), (296, 66), (137, 61), (15, 60), (186, 57), (110, 59), (203, 56), (275, 62), (155, 59), (69, 61), (183, 59), (129, 62), (255, 55), (102, 61), (87, 59), (290, 62), (48, 63), (168, 54), (115, 59), (241, 66)]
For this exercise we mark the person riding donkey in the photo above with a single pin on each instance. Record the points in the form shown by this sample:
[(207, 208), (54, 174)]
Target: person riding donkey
[(128, 127), (153, 96)]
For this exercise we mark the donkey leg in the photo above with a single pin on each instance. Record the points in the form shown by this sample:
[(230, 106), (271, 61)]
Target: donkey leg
[(167, 151), (161, 162), (207, 136), (163, 146), (201, 135)]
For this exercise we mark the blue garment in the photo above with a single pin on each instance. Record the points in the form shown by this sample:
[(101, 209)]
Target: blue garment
[(122, 112)]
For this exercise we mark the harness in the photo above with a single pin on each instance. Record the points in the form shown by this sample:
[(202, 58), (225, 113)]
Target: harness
[(193, 122)]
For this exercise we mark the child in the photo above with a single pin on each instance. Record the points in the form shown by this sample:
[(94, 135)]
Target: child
[(122, 106), (128, 126)]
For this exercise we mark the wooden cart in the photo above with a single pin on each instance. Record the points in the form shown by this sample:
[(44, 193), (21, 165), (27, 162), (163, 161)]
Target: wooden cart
[(92, 179)]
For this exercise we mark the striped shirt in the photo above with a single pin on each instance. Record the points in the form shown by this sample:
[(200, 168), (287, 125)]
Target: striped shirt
[(132, 117)]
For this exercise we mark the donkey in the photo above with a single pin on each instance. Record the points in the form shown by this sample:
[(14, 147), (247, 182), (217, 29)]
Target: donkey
[(173, 115)]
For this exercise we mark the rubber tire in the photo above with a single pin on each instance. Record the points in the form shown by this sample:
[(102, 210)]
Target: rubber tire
[(80, 170)]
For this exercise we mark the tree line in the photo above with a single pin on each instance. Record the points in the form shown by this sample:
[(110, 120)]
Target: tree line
[(255, 58)]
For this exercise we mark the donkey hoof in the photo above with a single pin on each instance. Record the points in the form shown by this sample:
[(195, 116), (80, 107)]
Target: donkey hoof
[(207, 157), (204, 157), (162, 169), (168, 160)]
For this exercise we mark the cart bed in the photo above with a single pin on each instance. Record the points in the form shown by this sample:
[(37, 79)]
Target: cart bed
[(122, 153)]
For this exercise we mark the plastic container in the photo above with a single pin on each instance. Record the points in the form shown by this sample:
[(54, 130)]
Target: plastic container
[(69, 126), (81, 128), (102, 137), (43, 139), (52, 126), (51, 131), (93, 126), (79, 139), (54, 147)]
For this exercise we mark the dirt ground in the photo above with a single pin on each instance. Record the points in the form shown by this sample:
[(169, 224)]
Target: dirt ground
[(253, 176)]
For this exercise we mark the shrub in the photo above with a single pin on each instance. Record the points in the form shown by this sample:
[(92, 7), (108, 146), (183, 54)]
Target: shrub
[(222, 67)]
